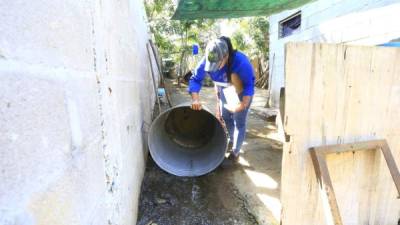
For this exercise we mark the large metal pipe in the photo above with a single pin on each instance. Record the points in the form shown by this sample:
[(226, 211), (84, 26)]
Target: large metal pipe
[(185, 142)]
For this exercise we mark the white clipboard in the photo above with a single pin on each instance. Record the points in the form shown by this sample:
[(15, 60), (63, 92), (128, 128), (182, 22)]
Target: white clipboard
[(232, 98)]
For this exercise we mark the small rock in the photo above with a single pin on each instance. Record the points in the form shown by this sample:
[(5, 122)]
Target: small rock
[(161, 201), (151, 223)]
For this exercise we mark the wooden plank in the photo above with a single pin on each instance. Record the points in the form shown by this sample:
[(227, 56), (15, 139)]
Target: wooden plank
[(322, 173), (351, 146), (325, 182), (348, 169), (381, 103), (394, 171), (297, 71), (297, 79), (338, 94)]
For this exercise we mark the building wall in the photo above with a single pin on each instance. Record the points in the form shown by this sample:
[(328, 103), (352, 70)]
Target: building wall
[(358, 22), (75, 95)]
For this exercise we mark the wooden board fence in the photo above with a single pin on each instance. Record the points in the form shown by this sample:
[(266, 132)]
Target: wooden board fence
[(337, 94)]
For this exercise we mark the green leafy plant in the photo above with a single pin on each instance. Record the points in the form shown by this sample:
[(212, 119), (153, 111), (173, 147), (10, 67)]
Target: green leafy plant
[(174, 38)]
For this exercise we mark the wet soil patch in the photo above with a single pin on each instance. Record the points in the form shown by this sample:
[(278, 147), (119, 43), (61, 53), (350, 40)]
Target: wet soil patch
[(207, 200)]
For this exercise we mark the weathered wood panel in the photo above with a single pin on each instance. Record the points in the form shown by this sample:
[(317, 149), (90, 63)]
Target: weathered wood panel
[(318, 155), (341, 94)]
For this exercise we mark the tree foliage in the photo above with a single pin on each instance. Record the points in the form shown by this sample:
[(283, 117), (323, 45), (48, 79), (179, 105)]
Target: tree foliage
[(174, 38), (252, 36), (259, 28)]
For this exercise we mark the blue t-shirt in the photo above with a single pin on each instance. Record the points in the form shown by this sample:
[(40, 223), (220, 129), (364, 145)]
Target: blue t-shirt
[(240, 65)]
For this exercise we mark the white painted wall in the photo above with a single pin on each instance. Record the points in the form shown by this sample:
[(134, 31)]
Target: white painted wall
[(359, 22), (75, 91)]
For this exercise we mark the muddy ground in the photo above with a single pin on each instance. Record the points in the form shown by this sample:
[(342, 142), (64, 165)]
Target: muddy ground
[(242, 194)]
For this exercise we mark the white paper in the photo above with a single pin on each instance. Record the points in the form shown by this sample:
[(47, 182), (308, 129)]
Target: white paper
[(232, 99)]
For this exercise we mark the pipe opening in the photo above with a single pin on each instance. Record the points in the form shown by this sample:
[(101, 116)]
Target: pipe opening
[(185, 142), (190, 129)]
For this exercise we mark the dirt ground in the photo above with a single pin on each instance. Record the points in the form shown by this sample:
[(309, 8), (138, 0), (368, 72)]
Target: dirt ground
[(242, 194)]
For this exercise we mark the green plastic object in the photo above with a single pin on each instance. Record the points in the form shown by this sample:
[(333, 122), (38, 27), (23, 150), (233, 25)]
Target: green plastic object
[(200, 9)]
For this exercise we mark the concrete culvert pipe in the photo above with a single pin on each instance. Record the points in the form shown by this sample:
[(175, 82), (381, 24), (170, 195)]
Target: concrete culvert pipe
[(185, 142)]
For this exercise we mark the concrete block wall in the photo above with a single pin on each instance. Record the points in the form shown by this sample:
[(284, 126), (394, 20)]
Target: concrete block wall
[(75, 94), (358, 22)]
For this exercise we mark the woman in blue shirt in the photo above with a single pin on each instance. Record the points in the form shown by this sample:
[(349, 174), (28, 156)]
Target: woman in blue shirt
[(226, 67)]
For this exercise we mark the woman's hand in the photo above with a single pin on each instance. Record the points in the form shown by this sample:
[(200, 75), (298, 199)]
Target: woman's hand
[(240, 107), (196, 105)]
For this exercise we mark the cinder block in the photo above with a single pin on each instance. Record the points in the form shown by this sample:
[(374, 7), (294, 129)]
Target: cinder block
[(377, 39), (355, 32), (73, 103), (56, 33), (77, 196), (315, 7), (34, 136), (384, 20)]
